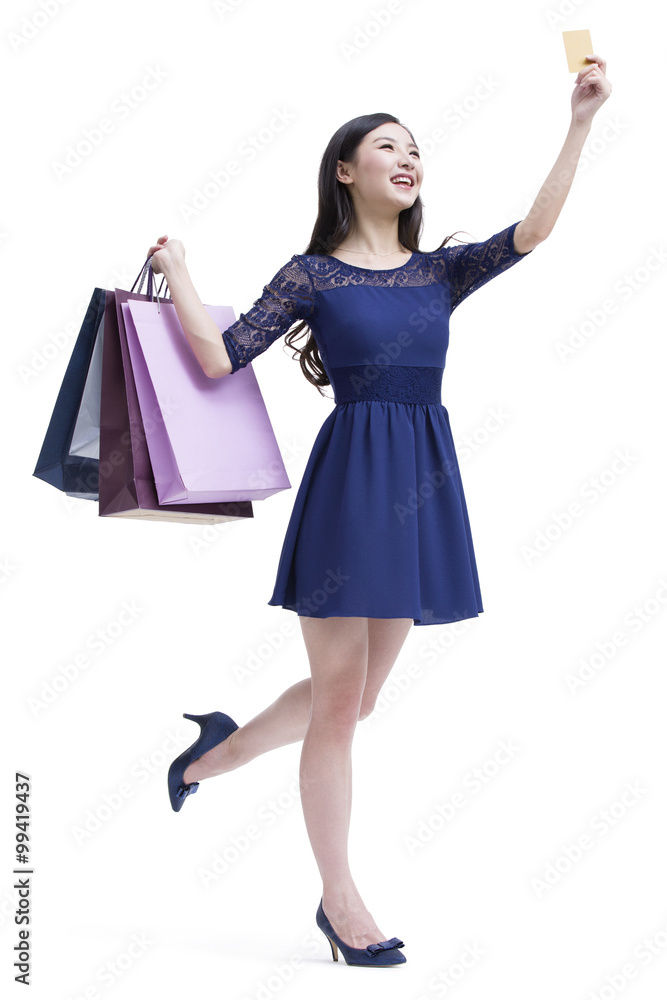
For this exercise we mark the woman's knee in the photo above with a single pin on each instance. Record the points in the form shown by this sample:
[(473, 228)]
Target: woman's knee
[(336, 709)]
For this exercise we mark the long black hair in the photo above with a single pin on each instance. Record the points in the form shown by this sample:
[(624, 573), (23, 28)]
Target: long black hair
[(335, 218)]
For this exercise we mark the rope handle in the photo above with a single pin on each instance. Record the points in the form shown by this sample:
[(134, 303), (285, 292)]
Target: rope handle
[(152, 292)]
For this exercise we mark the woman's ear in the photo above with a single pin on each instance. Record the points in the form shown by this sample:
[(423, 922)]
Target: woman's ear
[(342, 173)]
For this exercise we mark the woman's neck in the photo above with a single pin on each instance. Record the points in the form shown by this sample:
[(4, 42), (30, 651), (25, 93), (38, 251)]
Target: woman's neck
[(373, 238)]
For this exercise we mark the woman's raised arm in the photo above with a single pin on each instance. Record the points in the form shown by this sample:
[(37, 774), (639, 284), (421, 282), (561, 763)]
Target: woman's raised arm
[(592, 88), (202, 334)]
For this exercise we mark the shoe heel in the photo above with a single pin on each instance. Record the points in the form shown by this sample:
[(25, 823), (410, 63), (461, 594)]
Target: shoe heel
[(334, 947), (201, 719)]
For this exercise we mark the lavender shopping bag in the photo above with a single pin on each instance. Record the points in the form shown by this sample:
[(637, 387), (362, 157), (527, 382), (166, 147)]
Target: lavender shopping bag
[(126, 484), (212, 439)]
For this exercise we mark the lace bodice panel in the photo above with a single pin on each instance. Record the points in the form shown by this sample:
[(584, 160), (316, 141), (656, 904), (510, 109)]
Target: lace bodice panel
[(291, 295)]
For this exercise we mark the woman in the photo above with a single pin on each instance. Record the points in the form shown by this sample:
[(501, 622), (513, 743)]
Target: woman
[(379, 537)]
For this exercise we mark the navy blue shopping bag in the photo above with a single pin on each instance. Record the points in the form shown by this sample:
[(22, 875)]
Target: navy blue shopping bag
[(70, 455), (69, 459)]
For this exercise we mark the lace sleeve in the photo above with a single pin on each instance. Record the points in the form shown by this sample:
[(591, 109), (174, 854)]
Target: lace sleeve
[(470, 265), (288, 297)]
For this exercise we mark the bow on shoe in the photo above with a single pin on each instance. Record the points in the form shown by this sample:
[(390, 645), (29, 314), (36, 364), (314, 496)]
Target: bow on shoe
[(186, 790), (374, 949)]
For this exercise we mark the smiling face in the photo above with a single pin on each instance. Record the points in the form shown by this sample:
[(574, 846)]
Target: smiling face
[(387, 170)]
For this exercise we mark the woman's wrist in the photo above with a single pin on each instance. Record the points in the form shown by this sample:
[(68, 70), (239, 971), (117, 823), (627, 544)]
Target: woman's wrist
[(579, 126), (174, 269)]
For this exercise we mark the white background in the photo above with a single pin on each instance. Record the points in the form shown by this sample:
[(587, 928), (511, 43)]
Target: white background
[(119, 904)]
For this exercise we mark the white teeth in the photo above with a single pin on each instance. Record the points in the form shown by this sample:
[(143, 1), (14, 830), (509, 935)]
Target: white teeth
[(401, 180)]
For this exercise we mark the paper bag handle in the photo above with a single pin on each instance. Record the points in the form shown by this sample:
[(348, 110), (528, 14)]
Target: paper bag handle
[(147, 271)]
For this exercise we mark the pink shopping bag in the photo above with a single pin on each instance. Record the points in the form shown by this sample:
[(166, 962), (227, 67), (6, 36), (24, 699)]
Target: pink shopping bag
[(213, 440)]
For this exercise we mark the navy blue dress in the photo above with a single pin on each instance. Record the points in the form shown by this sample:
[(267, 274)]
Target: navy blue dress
[(379, 527)]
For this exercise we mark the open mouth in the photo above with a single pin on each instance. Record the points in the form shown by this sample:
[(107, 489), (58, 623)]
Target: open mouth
[(402, 180)]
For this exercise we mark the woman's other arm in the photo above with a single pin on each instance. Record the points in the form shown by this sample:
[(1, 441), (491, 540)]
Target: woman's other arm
[(592, 88)]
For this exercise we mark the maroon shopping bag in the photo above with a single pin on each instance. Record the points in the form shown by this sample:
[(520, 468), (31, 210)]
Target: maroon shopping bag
[(126, 483)]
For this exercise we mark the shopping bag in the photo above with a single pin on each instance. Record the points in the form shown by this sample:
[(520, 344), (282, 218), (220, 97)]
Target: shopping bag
[(69, 459), (127, 487), (208, 439), (85, 459)]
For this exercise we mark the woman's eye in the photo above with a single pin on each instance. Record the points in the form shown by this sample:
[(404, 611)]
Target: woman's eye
[(388, 145)]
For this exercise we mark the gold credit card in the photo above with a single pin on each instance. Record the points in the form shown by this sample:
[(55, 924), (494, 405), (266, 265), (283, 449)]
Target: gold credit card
[(578, 45)]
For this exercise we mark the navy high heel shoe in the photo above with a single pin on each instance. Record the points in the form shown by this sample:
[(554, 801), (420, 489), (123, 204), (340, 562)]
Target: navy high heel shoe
[(214, 729), (384, 953)]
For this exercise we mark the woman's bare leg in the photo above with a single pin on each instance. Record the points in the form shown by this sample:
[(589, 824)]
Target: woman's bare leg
[(347, 658), (350, 659), (338, 655), (386, 637), (286, 719)]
